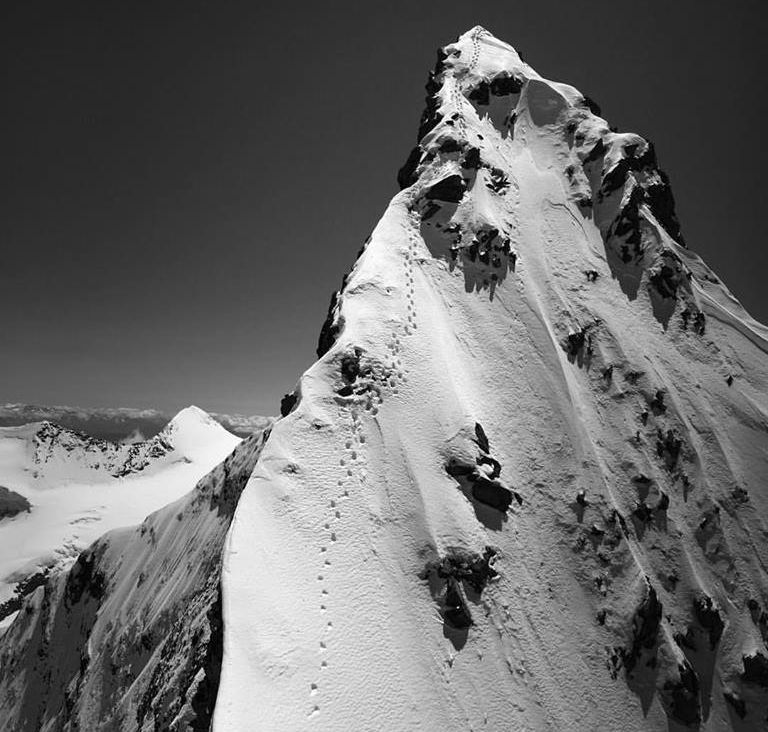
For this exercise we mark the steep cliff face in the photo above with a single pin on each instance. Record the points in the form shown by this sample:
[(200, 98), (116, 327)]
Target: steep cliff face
[(524, 485), (130, 637)]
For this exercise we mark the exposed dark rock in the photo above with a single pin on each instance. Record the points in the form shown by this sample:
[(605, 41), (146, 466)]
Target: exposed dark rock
[(430, 117), (448, 576), (578, 347), (225, 494), (480, 95), (617, 517), (450, 189), (455, 611), (406, 176), (12, 503), (633, 376), (330, 330), (499, 181), (709, 618), (591, 275), (204, 698), (26, 587), (735, 701), (505, 84), (481, 438), (592, 105), (627, 227), (616, 177), (449, 145), (474, 569), (287, 403), (492, 462), (696, 320), (662, 204), (483, 486), (645, 628), (657, 403), (699, 324), (491, 493), (350, 366), (458, 469), (681, 697), (759, 618), (709, 532), (685, 640), (643, 513), (756, 669), (668, 447), (84, 578), (471, 159)]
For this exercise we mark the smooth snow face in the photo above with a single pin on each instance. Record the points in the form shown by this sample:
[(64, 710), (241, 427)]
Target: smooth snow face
[(79, 487), (197, 436), (525, 306)]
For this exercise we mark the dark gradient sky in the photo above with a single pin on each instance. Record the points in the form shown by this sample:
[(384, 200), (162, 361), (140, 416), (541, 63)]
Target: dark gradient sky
[(183, 184)]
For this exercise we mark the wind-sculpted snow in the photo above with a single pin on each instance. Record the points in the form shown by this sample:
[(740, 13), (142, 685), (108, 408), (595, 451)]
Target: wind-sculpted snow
[(530, 280), (130, 637)]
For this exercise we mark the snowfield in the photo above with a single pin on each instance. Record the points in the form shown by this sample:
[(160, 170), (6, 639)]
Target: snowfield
[(524, 487)]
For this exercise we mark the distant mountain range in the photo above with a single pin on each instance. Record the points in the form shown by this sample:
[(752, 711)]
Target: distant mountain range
[(117, 424)]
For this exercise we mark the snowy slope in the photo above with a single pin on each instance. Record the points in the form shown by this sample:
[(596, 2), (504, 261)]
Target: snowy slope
[(524, 487), (79, 487)]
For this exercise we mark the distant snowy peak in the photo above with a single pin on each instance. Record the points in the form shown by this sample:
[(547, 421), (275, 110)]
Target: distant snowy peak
[(194, 432)]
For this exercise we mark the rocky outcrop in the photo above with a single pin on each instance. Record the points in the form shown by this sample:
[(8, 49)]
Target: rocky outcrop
[(12, 503)]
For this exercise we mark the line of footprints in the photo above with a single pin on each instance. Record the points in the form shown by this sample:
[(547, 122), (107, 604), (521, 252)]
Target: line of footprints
[(396, 369), (458, 103), (353, 474), (352, 461)]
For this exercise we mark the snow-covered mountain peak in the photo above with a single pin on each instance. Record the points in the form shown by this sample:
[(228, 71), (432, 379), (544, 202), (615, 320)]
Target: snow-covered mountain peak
[(193, 432), (523, 487), (534, 399)]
